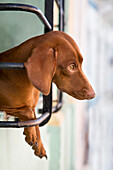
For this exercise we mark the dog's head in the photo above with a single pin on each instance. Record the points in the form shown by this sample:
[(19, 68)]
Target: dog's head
[(58, 59)]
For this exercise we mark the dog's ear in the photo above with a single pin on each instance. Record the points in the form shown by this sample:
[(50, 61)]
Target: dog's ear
[(41, 66)]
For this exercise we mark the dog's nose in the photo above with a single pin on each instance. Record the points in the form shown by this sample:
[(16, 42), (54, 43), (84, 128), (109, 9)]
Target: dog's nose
[(89, 94)]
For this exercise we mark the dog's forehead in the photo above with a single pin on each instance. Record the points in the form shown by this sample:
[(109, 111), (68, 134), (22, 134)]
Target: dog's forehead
[(66, 47), (73, 48), (74, 53), (80, 58)]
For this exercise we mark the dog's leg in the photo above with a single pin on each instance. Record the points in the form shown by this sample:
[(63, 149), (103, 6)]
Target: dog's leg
[(32, 134)]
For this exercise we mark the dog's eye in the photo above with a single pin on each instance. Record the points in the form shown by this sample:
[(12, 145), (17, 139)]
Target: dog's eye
[(72, 67)]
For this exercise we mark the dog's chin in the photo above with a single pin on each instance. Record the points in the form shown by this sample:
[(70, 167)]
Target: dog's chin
[(82, 97)]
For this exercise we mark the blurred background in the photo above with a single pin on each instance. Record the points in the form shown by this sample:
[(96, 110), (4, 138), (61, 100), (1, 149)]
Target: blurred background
[(80, 135)]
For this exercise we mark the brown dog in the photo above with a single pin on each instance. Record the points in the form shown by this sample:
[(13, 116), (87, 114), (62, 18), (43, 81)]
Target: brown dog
[(50, 57)]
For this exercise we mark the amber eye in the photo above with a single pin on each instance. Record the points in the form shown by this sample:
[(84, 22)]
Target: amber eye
[(72, 67)]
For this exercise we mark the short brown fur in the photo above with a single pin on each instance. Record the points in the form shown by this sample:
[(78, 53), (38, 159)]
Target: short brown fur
[(50, 57)]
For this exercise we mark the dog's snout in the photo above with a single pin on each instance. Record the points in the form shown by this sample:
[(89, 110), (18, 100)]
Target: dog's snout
[(88, 94)]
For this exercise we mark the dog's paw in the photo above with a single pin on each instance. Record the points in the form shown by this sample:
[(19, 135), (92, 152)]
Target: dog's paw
[(32, 137), (39, 149)]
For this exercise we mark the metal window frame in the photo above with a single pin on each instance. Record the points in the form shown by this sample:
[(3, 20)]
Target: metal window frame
[(47, 20)]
